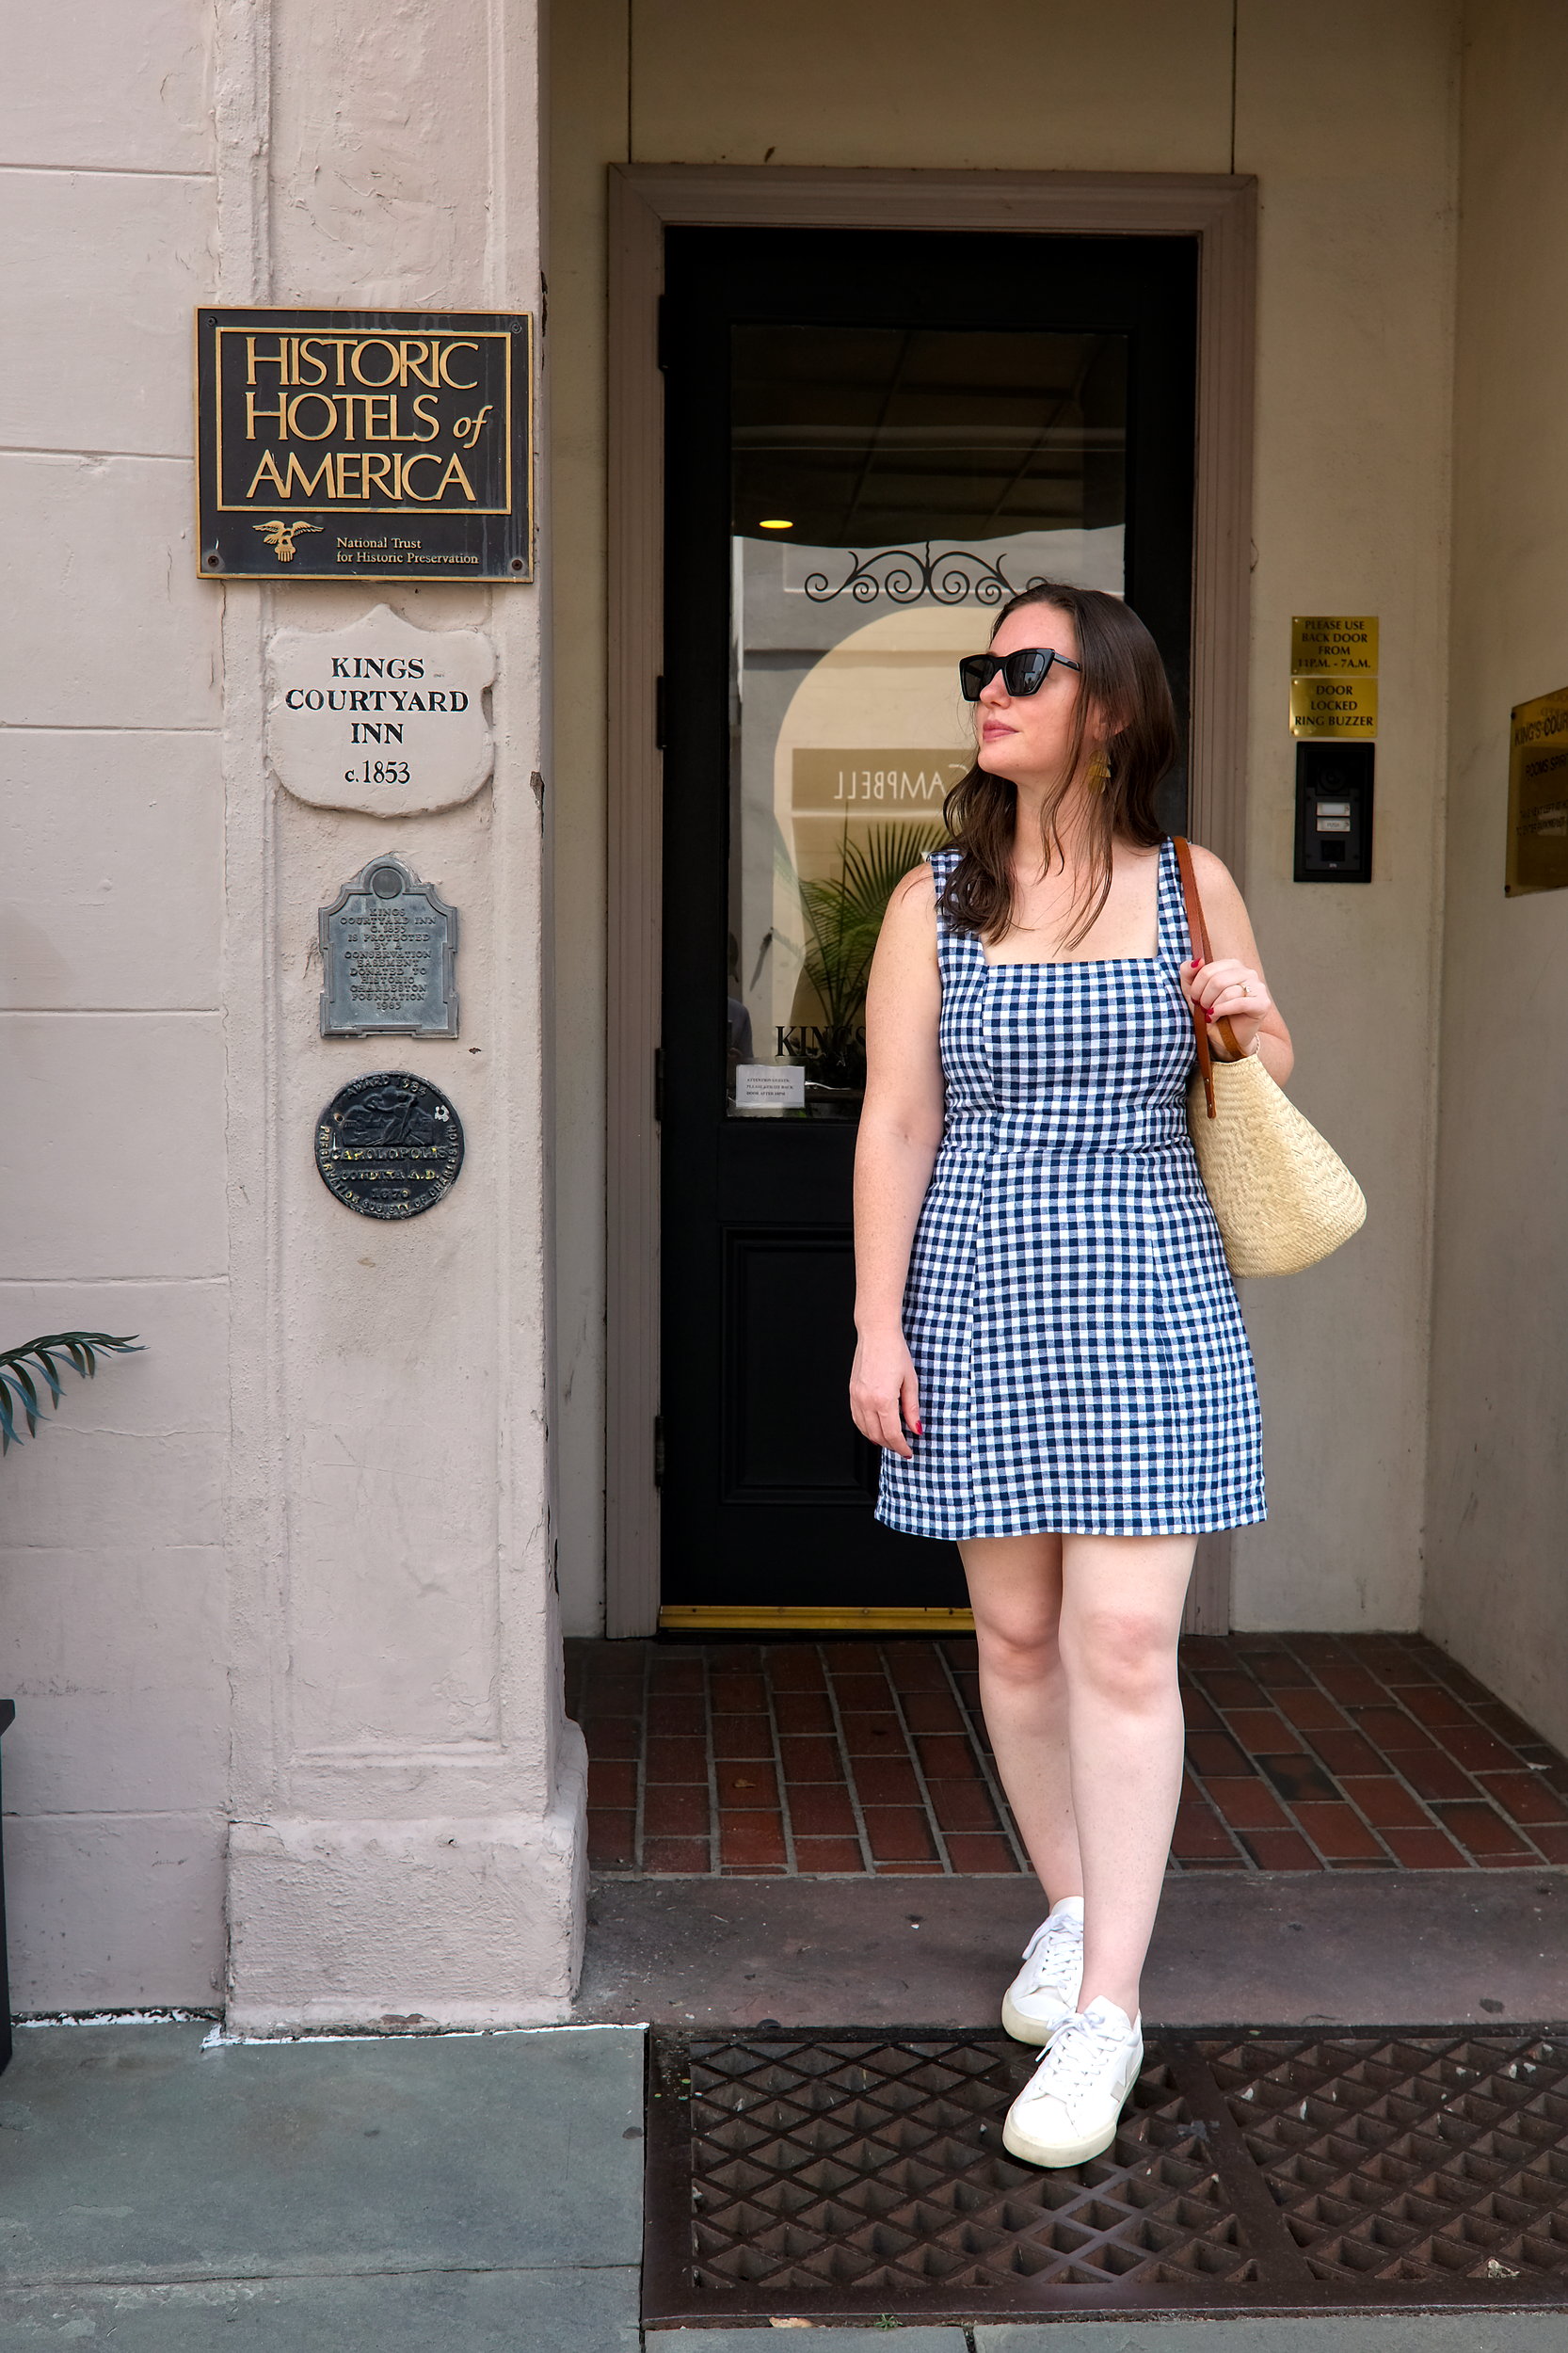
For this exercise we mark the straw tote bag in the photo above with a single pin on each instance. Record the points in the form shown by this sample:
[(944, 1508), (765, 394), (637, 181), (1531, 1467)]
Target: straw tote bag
[(1283, 1198)]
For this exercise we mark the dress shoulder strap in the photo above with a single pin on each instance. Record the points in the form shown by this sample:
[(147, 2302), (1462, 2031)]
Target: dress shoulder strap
[(954, 947), (1170, 908)]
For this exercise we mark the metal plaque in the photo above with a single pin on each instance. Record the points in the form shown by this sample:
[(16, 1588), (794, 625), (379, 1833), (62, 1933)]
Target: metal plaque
[(1334, 677), (1344, 709), (1538, 796), (1334, 641), (364, 444), (389, 1145), (388, 945)]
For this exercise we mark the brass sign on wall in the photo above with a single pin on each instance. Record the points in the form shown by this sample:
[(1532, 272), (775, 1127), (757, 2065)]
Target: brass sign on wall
[(1538, 796), (1322, 642), (355, 445), (1334, 677)]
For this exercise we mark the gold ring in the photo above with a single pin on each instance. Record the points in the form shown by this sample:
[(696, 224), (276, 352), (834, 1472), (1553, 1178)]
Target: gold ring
[(1245, 990)]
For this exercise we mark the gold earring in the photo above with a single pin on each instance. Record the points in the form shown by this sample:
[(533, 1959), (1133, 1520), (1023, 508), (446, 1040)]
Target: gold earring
[(1100, 772)]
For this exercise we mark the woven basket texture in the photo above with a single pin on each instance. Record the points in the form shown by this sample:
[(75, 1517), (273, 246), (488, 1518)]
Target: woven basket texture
[(1282, 1197)]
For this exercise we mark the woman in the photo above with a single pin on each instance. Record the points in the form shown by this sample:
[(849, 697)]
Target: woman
[(1051, 1351)]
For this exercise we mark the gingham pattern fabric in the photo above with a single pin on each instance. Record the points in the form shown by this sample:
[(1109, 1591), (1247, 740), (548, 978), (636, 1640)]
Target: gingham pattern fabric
[(1083, 1362)]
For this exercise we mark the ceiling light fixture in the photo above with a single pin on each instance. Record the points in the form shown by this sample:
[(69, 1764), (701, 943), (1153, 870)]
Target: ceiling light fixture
[(772, 523)]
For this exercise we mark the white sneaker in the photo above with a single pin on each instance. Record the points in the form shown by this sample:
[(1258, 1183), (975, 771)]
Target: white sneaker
[(1044, 1995), (1070, 2107)]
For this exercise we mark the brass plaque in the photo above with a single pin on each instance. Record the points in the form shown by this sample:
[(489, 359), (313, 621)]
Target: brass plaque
[(1343, 708), (1538, 796), (364, 444), (1322, 642), (876, 783)]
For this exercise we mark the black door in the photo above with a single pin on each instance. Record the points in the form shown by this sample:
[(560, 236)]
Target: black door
[(873, 438)]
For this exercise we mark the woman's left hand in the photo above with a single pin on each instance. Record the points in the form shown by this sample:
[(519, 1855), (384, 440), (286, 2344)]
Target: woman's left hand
[(1229, 990)]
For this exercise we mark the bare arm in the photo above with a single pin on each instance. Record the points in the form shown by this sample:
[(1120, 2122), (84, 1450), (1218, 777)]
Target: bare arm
[(1231, 985), (901, 1129)]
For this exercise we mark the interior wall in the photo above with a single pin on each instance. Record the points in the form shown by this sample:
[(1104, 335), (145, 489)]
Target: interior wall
[(1356, 173), (1499, 1480)]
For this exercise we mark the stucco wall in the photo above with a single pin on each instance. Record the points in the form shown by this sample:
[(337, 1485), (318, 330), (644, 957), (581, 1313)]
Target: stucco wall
[(1357, 190), (397, 1716), (278, 1612), (1356, 173), (1498, 1481), (113, 1603)]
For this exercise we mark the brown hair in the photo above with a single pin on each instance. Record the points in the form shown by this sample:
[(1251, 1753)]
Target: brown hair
[(1122, 677)]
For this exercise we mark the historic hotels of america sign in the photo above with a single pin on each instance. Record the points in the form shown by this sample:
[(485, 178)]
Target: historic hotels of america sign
[(364, 444)]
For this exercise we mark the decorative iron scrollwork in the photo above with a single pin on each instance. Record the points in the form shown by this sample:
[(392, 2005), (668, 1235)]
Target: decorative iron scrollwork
[(904, 575)]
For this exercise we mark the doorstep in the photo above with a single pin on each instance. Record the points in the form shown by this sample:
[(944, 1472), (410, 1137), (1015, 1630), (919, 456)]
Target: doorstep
[(1254, 1948)]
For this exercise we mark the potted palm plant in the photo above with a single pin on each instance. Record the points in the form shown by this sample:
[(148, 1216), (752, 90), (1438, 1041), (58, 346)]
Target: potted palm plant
[(843, 914)]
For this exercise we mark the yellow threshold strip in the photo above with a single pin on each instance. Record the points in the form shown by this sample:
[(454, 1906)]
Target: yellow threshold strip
[(708, 1617)]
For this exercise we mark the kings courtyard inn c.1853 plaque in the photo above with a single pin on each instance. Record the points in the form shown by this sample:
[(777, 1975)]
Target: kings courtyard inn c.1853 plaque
[(345, 444)]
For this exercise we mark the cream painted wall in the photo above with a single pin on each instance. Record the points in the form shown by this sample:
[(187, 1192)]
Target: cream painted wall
[(111, 1521), (1498, 1466), (1356, 175), (279, 1608), (406, 1794)]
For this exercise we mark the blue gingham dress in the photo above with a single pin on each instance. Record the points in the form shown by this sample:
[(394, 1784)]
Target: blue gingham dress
[(1083, 1362)]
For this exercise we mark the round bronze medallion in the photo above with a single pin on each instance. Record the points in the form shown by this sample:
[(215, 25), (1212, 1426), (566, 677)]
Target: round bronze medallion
[(389, 1145)]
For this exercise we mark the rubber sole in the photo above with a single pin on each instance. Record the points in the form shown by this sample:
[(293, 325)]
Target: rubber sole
[(1062, 2152), (1024, 2029)]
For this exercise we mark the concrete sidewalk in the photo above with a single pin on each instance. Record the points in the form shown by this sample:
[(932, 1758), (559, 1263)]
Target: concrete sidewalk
[(453, 2193), (1418, 2333)]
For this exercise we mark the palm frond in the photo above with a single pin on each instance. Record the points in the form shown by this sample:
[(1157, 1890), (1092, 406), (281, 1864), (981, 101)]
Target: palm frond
[(21, 1368), (845, 911)]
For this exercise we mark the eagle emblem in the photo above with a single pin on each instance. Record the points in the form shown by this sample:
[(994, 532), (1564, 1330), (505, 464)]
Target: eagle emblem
[(281, 535)]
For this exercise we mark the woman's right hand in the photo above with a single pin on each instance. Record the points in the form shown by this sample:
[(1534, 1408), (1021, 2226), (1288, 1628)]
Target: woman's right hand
[(884, 1392)]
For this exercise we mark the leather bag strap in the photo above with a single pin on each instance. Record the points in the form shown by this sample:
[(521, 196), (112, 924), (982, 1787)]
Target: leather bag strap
[(1198, 932)]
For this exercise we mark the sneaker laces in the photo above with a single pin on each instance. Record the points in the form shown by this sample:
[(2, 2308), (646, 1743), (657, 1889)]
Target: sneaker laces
[(1082, 2048), (1055, 1952)]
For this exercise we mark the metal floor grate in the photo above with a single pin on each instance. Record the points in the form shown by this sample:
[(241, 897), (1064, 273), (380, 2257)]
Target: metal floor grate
[(846, 2174)]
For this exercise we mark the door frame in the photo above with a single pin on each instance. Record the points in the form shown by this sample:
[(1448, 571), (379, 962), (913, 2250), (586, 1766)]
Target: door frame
[(1221, 211)]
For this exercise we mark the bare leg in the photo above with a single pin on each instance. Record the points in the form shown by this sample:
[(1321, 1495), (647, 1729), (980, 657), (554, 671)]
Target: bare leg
[(1015, 1593), (1121, 1615)]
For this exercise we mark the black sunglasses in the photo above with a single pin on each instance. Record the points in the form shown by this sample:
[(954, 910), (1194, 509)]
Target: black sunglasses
[(1022, 673)]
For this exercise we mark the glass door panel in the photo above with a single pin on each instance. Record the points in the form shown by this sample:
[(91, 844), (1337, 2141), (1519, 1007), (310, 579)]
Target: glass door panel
[(889, 488)]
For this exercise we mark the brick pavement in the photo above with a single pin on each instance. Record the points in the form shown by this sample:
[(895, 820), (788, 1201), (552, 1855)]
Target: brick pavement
[(1305, 1752)]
